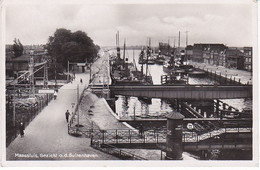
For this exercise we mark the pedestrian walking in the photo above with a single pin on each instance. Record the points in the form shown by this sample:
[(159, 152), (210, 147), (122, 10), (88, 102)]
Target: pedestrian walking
[(81, 81), (55, 95), (67, 114), (21, 128), (141, 130)]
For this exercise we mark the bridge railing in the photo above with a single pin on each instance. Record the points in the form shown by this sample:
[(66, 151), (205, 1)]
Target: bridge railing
[(189, 136), (128, 136), (117, 136)]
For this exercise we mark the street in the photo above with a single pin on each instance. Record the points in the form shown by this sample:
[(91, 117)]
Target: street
[(46, 137)]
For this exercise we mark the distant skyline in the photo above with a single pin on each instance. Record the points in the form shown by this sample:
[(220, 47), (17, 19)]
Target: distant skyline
[(230, 24)]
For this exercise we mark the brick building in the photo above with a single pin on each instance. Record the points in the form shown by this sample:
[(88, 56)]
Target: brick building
[(207, 53), (234, 58), (248, 55)]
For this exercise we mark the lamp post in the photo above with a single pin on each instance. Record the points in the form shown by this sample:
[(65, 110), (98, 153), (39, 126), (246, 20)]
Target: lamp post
[(78, 106), (55, 74)]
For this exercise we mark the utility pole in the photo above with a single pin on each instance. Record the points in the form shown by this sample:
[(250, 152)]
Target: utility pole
[(45, 81), (68, 70), (55, 72), (14, 115), (31, 67)]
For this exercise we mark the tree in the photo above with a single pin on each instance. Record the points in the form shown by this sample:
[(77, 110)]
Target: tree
[(75, 47), (18, 48)]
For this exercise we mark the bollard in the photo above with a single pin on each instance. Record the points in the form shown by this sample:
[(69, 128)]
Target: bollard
[(174, 147), (217, 108)]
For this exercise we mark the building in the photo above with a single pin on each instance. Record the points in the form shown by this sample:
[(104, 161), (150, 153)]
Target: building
[(165, 48), (222, 58), (248, 53), (197, 55), (14, 65), (234, 58), (189, 51), (207, 53)]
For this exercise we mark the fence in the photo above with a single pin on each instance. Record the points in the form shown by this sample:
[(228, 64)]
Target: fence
[(220, 78), (24, 114), (117, 136), (112, 150), (76, 109)]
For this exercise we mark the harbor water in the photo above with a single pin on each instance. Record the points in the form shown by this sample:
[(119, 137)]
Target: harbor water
[(129, 106)]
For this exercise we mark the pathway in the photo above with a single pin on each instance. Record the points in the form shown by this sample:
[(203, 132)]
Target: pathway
[(46, 137)]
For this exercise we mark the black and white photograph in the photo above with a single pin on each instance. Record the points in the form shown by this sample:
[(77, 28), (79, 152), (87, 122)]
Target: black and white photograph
[(129, 83)]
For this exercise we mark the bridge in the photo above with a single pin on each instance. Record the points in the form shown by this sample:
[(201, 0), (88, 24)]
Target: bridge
[(215, 139), (196, 92)]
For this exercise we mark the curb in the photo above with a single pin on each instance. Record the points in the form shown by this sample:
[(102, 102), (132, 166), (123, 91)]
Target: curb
[(112, 113)]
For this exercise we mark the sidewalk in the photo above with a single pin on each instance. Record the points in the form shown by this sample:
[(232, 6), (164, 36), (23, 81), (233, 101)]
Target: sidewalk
[(46, 137), (244, 76)]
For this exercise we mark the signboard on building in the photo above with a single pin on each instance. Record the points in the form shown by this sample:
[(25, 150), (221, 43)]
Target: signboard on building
[(81, 64), (46, 91)]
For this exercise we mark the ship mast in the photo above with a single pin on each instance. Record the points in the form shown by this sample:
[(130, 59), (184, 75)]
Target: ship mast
[(117, 45), (179, 43), (142, 57), (148, 55), (124, 51)]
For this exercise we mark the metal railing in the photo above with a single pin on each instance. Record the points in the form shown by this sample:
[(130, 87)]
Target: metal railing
[(112, 150), (75, 109), (195, 137), (119, 136), (221, 78), (24, 114)]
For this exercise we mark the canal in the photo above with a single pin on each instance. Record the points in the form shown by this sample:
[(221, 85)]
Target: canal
[(128, 106)]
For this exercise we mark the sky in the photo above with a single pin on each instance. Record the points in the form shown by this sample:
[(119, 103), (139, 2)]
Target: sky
[(230, 23)]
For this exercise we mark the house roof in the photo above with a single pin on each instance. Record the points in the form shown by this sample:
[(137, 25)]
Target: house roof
[(210, 47), (189, 47)]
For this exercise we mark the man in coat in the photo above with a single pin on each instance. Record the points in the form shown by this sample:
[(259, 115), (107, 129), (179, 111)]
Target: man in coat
[(67, 114), (21, 128)]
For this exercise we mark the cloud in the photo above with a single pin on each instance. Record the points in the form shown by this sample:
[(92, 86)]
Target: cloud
[(219, 23)]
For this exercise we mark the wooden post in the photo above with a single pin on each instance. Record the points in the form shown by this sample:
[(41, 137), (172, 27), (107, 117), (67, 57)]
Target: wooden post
[(103, 136), (134, 113), (78, 106), (217, 108), (178, 105), (14, 115), (130, 136), (116, 137)]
